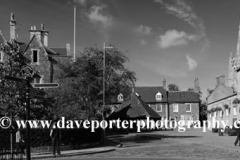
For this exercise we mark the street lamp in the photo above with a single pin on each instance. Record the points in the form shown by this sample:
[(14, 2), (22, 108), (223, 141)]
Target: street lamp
[(104, 59)]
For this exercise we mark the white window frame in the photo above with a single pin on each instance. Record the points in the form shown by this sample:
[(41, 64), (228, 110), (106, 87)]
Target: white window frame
[(2, 54), (160, 107), (220, 113), (227, 112), (234, 110), (37, 56), (158, 96), (182, 117), (120, 97), (175, 109), (190, 107)]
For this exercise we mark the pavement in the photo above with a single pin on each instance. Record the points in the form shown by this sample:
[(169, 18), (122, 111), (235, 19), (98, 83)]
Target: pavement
[(43, 155)]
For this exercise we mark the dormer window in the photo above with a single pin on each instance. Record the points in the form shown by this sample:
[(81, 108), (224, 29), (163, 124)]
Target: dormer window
[(158, 96), (35, 56), (120, 97), (1, 56)]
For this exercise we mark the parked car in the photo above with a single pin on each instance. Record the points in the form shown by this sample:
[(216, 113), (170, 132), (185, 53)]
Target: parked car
[(232, 131)]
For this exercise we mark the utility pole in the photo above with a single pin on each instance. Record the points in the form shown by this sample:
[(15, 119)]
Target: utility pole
[(27, 118), (74, 36), (104, 70)]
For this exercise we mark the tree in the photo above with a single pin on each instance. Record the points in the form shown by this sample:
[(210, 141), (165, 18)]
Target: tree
[(12, 93), (81, 83), (173, 87), (190, 89)]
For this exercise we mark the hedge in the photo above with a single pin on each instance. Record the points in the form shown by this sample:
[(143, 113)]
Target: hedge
[(40, 137)]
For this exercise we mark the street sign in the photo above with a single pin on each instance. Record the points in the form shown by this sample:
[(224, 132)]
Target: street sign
[(45, 85), (16, 79)]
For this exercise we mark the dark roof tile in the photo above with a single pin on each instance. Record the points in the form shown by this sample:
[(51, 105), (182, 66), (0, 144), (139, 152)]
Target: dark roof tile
[(134, 108)]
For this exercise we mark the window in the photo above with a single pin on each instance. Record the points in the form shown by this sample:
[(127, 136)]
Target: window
[(158, 107), (175, 107), (120, 97), (182, 117), (227, 112), (37, 79), (234, 110), (1, 56), (188, 107), (35, 56), (159, 96), (210, 115)]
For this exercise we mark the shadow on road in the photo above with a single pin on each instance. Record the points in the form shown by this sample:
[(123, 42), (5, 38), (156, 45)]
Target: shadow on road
[(146, 137)]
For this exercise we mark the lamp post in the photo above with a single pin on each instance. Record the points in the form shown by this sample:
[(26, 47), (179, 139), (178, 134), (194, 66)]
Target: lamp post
[(104, 67)]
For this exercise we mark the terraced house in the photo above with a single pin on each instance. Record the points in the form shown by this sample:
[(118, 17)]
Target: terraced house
[(183, 105), (224, 98)]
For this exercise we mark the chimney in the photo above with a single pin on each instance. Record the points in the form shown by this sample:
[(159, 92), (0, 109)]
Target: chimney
[(41, 34), (68, 49), (164, 84), (12, 24), (44, 35), (220, 79)]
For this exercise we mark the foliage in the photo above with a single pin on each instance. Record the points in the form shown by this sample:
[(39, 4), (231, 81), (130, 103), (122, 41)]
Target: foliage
[(226, 106), (190, 89), (81, 83), (236, 101), (213, 109), (11, 93), (173, 87)]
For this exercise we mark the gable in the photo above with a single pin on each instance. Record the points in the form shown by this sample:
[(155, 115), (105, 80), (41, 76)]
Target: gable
[(148, 94), (220, 92)]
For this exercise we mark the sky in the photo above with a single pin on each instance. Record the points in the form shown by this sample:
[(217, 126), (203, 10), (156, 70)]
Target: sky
[(176, 40)]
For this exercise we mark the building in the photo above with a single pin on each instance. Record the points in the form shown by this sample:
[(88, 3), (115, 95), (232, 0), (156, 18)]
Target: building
[(223, 97), (42, 58), (183, 105)]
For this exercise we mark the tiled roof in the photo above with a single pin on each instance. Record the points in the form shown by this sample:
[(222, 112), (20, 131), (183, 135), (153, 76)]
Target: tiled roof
[(60, 51), (220, 92), (50, 51), (134, 108), (148, 94), (183, 96)]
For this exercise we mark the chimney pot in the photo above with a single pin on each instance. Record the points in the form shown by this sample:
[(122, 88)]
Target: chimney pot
[(164, 84), (42, 26)]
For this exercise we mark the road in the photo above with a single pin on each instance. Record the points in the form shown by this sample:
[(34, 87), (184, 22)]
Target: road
[(192, 144)]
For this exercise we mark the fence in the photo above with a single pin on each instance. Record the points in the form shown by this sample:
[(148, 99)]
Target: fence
[(6, 154)]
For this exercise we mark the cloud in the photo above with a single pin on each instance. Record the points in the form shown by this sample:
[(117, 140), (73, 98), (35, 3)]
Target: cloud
[(192, 64), (184, 11), (161, 68), (143, 42), (175, 38), (141, 29), (96, 16)]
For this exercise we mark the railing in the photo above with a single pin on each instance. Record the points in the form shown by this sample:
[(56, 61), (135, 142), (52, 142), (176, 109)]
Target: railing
[(5, 154)]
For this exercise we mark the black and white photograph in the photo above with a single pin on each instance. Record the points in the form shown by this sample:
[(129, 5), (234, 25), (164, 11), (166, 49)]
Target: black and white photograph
[(119, 79)]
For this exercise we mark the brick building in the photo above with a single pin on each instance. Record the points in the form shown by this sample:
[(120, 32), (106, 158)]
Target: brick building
[(183, 105), (38, 54)]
